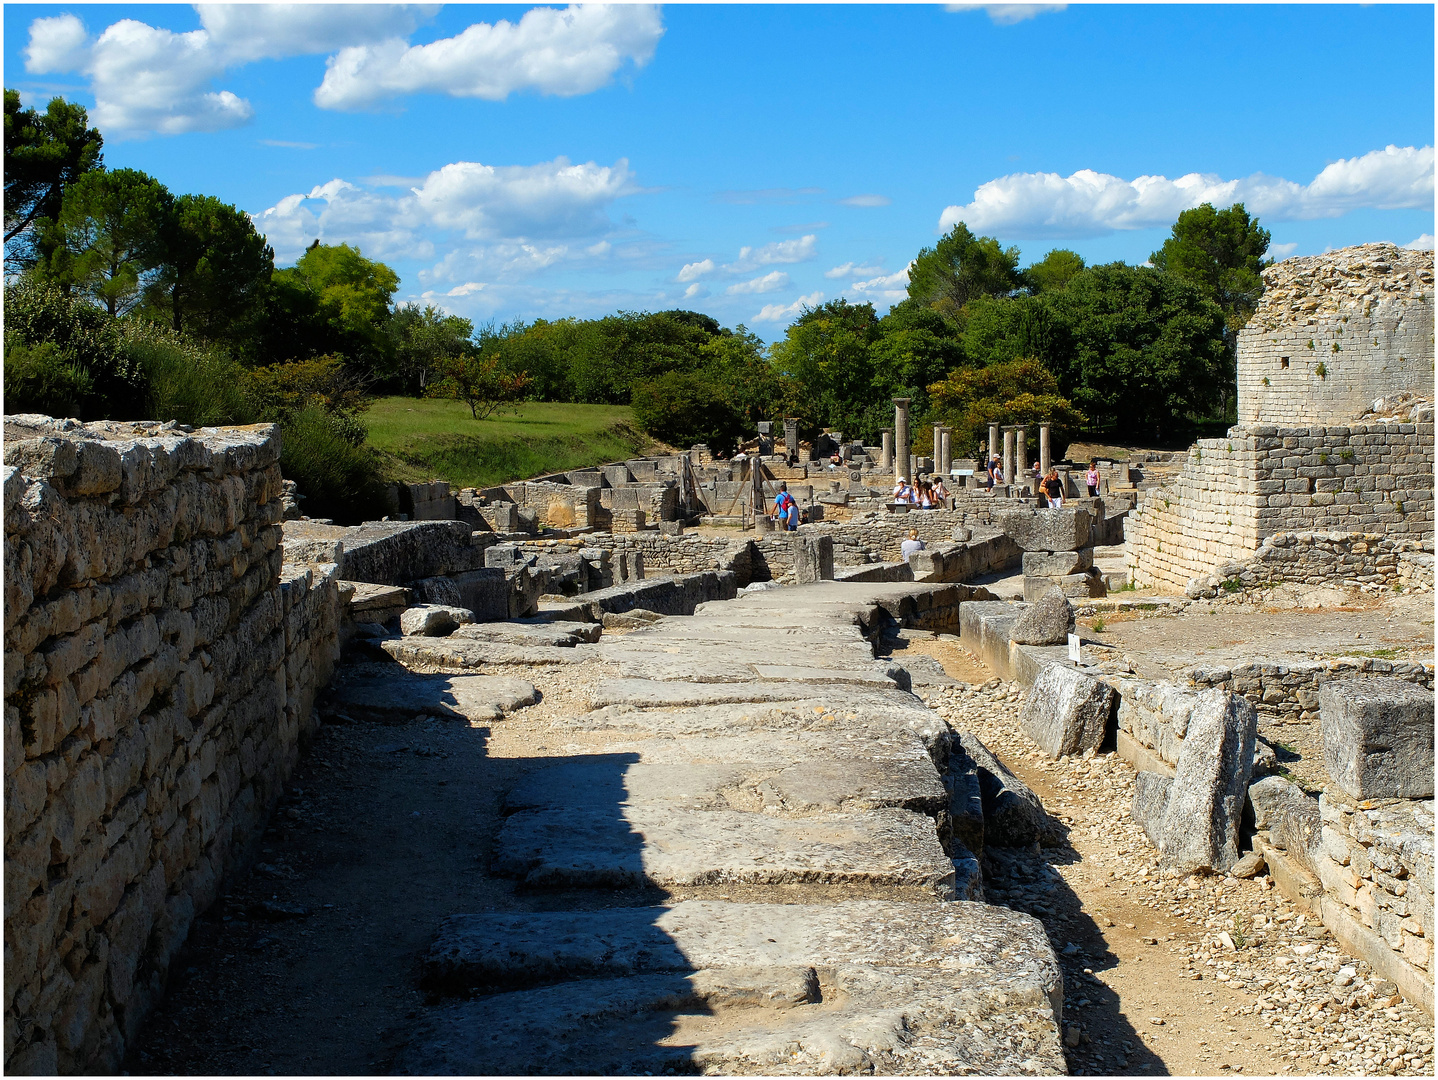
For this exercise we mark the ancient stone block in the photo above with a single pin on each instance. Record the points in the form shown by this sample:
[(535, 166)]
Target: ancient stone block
[(433, 620), (1013, 815), (1047, 621), (1057, 563), (1066, 712), (1378, 737), (1047, 529), (1205, 807)]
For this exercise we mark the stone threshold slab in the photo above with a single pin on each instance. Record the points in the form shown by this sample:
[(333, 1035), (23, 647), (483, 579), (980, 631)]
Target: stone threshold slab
[(623, 847)]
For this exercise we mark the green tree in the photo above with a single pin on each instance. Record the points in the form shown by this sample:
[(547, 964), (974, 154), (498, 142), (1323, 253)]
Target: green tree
[(633, 347), (1222, 253), (1001, 331), (687, 407), (332, 301), (962, 267), (425, 336), (828, 354), (216, 271), (1137, 349), (109, 239), (1053, 271), (44, 154), (478, 381), (1018, 391)]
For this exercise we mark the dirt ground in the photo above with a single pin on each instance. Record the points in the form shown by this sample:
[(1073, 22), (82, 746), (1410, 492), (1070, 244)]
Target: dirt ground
[(309, 964)]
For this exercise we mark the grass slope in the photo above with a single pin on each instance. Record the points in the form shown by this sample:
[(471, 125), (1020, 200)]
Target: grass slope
[(421, 439)]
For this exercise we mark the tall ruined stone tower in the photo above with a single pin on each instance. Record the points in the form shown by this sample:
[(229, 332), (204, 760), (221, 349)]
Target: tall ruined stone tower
[(1334, 332)]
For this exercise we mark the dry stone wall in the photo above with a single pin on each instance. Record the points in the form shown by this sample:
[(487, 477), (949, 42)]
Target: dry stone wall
[(160, 664), (1263, 480), (1333, 332)]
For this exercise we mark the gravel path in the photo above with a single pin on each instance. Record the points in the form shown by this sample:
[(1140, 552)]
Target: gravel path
[(1172, 974)]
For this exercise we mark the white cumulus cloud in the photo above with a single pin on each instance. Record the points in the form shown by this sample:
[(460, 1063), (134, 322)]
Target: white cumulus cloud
[(850, 269), (574, 51), (1008, 14), (770, 282), (695, 270), (779, 252), (524, 216), (58, 44), (1423, 243), (888, 288), (246, 32), (695, 292), (782, 312), (1089, 203)]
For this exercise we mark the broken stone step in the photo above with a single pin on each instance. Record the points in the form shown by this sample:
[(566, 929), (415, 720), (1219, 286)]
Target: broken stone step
[(803, 787), (659, 694), (561, 635), (401, 697), (622, 847), (457, 652), (857, 986)]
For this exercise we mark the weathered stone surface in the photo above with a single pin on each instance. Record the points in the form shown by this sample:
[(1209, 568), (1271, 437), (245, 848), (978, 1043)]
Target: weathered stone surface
[(1150, 800), (661, 845), (1251, 865), (813, 557), (559, 635), (462, 653), (1086, 585), (1066, 712), (402, 697), (803, 787), (1057, 563), (730, 988), (1378, 737), (1268, 796), (1049, 620), (433, 620), (1013, 815), (1205, 807), (1047, 529)]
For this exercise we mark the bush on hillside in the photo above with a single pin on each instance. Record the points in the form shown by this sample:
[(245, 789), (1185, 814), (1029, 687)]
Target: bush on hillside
[(684, 408), (338, 478), (185, 381)]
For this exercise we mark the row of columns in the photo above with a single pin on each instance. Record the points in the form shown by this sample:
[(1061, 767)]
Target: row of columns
[(896, 446)]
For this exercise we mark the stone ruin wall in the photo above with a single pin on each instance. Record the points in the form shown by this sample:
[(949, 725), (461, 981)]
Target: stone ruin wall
[(160, 666), (1364, 313), (1261, 481)]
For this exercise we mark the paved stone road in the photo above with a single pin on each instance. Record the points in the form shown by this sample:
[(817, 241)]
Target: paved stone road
[(760, 762)]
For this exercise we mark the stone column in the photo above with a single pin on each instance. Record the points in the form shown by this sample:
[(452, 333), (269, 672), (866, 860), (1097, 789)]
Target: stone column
[(791, 438), (1021, 452), (766, 437), (1008, 454), (1045, 458), (993, 442), (938, 444), (886, 454), (901, 439), (946, 452)]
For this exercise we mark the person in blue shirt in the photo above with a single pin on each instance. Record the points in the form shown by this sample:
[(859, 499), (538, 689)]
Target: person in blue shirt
[(786, 509)]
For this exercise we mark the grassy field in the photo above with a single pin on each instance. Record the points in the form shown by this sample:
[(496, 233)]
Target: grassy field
[(421, 439)]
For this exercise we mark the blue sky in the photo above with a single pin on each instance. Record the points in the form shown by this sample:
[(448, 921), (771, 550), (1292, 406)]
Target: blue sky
[(526, 162)]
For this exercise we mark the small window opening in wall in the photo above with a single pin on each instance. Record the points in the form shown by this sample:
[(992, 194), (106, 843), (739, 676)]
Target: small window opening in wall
[(1283, 361)]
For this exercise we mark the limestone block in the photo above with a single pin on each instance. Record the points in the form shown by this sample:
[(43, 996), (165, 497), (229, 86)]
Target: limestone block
[(1057, 563), (433, 620), (1066, 712), (1205, 807), (1047, 621), (1013, 815), (1268, 797), (1378, 737), (1150, 800), (1047, 529)]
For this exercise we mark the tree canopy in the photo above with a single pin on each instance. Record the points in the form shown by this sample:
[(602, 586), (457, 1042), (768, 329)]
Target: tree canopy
[(44, 154), (962, 267)]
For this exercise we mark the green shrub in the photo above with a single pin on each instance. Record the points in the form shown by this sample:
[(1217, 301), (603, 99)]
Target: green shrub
[(684, 408), (338, 479), (184, 381), (44, 378)]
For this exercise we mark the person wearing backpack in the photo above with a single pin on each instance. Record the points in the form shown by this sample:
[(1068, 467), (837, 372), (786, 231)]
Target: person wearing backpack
[(786, 509)]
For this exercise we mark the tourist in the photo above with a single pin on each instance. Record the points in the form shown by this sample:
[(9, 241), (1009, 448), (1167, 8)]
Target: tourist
[(940, 491), (911, 545), (925, 496), (1054, 489), (900, 485), (1091, 478), (998, 470), (786, 510)]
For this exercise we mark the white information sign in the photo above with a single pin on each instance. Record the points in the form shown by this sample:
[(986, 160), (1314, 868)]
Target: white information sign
[(1074, 653)]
